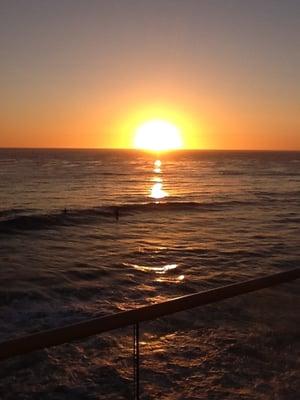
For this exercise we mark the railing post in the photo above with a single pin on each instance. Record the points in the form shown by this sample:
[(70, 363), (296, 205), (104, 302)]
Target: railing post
[(136, 361)]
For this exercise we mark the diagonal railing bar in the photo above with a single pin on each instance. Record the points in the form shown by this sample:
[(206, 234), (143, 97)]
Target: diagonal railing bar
[(81, 330)]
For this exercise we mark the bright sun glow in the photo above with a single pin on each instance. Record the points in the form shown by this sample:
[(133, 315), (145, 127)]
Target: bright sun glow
[(158, 135)]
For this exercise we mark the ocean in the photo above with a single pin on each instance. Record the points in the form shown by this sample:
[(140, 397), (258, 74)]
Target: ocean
[(94, 232)]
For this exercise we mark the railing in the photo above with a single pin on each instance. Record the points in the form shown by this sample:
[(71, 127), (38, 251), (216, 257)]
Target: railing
[(81, 330)]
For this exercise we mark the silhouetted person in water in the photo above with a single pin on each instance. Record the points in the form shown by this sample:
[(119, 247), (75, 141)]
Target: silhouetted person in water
[(117, 213), (65, 211)]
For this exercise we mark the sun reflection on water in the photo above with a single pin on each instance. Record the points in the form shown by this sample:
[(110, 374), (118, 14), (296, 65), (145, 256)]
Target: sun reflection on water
[(157, 179), (157, 167), (176, 279), (156, 270), (161, 272), (157, 192)]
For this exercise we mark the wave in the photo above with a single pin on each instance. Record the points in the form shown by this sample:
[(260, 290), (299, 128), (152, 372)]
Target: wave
[(12, 221), (272, 174), (14, 211)]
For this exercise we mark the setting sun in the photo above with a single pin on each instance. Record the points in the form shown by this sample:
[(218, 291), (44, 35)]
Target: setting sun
[(158, 135)]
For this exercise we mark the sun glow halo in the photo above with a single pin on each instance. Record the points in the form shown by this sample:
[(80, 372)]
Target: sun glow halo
[(157, 135)]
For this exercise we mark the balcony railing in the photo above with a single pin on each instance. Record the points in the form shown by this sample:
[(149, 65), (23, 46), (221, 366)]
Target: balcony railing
[(98, 325)]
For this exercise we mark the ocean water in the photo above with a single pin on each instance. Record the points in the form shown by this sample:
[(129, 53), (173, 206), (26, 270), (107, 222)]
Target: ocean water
[(187, 221)]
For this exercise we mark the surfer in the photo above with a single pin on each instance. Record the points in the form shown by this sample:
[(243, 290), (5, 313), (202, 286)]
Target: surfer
[(117, 213)]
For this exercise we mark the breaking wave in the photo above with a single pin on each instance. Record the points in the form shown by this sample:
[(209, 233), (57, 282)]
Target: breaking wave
[(22, 220)]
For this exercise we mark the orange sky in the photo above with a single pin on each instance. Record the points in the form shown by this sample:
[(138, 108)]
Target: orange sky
[(86, 76)]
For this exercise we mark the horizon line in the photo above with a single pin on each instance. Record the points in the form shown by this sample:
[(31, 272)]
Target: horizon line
[(142, 150)]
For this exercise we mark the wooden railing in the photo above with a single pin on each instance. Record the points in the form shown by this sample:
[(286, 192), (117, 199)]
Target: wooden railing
[(81, 330)]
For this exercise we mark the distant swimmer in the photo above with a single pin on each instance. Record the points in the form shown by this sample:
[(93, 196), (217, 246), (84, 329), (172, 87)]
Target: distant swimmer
[(65, 211), (117, 213)]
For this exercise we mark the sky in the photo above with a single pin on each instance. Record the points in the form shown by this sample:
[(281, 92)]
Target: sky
[(78, 73)]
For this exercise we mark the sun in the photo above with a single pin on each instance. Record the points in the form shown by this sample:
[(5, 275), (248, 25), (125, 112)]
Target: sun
[(157, 135)]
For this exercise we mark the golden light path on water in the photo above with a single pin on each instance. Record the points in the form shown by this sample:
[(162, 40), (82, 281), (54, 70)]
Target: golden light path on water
[(157, 193), (157, 167), (160, 271)]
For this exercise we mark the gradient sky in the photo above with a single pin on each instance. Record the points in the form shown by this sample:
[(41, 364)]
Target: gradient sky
[(83, 73)]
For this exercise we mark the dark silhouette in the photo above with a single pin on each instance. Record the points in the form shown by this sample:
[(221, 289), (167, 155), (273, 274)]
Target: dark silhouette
[(117, 213)]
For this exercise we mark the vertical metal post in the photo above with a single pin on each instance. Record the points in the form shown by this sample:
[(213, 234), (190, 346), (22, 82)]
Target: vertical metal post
[(136, 361)]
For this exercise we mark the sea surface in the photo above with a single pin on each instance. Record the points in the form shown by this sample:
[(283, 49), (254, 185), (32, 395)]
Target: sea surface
[(85, 233)]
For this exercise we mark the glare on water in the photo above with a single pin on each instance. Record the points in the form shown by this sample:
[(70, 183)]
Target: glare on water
[(157, 191)]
